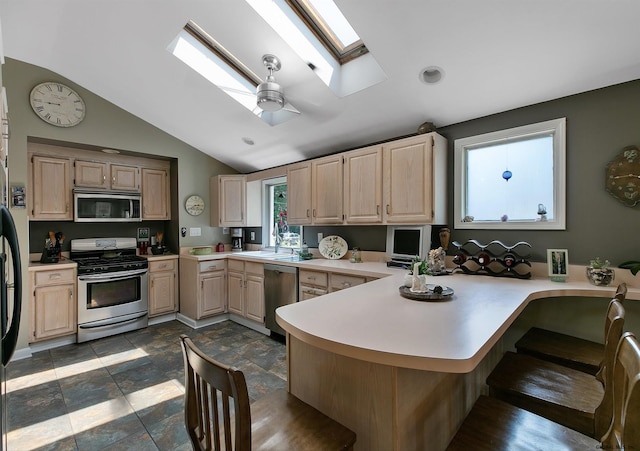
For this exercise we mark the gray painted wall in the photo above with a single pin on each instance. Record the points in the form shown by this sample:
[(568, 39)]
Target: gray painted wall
[(599, 125)]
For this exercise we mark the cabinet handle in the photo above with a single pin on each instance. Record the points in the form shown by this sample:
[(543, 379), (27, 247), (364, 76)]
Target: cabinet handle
[(377, 209), (314, 212), (162, 266), (70, 293), (346, 284), (56, 275), (388, 209), (66, 208), (311, 278), (307, 212), (104, 178), (113, 179)]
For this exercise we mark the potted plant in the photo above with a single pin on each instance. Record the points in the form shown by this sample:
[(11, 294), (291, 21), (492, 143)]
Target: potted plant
[(599, 273), (631, 265)]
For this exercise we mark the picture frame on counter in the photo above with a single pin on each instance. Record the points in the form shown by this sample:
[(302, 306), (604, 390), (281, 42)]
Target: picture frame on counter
[(558, 264)]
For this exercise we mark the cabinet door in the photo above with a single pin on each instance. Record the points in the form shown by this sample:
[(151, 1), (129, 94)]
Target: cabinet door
[(90, 174), (235, 292), (363, 186), (254, 298), (55, 311), (299, 193), (125, 178), (212, 293), (326, 177), (228, 200), (155, 194), (51, 185), (162, 292), (408, 180)]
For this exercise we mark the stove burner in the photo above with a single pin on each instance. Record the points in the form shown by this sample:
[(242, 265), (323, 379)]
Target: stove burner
[(103, 264)]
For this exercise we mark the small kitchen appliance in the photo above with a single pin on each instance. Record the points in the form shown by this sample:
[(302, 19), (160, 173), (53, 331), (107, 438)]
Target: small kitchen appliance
[(236, 240), (113, 287)]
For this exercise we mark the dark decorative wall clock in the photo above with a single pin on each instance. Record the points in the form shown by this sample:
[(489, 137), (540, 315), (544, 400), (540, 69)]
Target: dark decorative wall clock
[(623, 176)]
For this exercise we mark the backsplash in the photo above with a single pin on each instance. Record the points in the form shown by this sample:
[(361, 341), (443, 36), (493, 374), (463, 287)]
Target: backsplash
[(39, 231)]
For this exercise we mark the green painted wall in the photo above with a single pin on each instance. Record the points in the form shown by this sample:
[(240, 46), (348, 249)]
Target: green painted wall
[(105, 126)]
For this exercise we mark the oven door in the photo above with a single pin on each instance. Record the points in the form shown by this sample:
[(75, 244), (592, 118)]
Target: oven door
[(111, 295)]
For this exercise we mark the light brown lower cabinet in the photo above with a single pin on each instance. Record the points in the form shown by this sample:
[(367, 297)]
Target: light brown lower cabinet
[(163, 287), (53, 303), (312, 284), (245, 289), (203, 287)]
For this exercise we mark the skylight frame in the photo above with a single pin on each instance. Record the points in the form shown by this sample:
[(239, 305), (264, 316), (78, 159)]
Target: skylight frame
[(323, 31), (218, 49)]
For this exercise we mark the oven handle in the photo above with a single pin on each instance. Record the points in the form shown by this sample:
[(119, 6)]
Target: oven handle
[(103, 324), (113, 276)]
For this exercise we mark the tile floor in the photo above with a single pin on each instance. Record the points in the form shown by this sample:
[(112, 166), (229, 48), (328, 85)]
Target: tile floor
[(126, 391)]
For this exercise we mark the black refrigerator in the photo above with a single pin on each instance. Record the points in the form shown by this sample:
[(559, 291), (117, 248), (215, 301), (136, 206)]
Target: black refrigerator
[(10, 305)]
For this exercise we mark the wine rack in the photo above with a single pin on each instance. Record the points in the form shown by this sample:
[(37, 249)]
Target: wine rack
[(493, 259)]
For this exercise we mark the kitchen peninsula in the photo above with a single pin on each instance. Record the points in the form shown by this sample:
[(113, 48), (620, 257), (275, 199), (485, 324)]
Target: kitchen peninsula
[(403, 374)]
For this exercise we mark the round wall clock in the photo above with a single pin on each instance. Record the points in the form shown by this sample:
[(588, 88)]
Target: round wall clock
[(623, 176), (194, 205), (57, 104)]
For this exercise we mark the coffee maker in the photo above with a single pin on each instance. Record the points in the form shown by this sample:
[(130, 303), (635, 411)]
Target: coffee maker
[(236, 240)]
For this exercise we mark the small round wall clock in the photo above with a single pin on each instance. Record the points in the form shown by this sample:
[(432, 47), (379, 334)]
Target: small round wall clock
[(57, 104), (194, 205)]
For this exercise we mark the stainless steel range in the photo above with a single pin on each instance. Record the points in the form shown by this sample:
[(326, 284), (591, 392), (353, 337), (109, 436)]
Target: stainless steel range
[(113, 292)]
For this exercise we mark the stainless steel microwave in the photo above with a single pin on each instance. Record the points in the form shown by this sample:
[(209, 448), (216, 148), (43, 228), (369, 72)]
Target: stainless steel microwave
[(106, 207)]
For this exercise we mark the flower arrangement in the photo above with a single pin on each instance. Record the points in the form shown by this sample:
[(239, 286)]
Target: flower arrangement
[(424, 266), (599, 273), (596, 263)]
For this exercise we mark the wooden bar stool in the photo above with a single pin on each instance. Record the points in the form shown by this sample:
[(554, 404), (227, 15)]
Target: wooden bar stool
[(564, 395), (278, 421), (573, 352), (494, 425)]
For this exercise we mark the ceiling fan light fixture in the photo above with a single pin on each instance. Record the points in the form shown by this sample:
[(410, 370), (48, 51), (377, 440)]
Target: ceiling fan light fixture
[(269, 93)]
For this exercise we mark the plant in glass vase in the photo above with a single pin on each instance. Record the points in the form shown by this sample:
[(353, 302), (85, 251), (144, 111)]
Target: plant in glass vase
[(599, 272)]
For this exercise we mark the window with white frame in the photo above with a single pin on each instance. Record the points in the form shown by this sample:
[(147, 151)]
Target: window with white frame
[(512, 179), (276, 228)]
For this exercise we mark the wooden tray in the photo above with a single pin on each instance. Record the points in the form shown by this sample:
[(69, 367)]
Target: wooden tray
[(428, 296)]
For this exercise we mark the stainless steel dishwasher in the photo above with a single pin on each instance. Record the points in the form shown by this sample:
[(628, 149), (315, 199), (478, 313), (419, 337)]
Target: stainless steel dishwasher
[(280, 288)]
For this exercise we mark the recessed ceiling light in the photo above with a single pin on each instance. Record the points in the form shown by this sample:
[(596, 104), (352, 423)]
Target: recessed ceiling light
[(431, 75), (110, 151), (248, 141)]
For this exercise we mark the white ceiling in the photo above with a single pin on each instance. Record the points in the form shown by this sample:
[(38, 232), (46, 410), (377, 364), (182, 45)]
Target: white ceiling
[(496, 54)]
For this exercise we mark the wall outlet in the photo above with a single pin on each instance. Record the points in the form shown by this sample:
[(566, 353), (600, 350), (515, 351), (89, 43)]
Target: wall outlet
[(253, 235), (320, 236), (195, 231), (225, 230)]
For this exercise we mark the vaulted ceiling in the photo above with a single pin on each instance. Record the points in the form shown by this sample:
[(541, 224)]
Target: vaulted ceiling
[(496, 55)]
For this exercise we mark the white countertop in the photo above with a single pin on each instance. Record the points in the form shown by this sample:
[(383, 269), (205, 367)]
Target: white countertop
[(372, 322)]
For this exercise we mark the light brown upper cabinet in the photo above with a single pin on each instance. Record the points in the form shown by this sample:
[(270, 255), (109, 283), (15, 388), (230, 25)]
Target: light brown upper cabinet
[(100, 175), (299, 193), (228, 200), (314, 191), (398, 182), (363, 186), (125, 178), (326, 191), (50, 187), (155, 194), (414, 180)]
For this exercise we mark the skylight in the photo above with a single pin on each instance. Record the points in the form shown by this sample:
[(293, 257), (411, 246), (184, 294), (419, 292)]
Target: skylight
[(332, 28), (321, 36), (205, 55)]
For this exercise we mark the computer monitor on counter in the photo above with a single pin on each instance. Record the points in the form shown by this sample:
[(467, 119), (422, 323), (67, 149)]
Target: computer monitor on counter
[(404, 243)]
